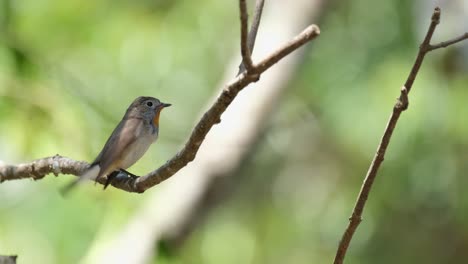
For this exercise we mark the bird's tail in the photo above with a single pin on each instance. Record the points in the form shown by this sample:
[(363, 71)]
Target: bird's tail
[(90, 174)]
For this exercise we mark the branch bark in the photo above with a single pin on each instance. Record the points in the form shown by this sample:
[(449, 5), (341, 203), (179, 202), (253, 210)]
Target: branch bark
[(400, 106), (187, 154)]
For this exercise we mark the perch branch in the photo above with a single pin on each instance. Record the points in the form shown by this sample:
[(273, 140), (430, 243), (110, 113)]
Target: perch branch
[(62, 165), (400, 106)]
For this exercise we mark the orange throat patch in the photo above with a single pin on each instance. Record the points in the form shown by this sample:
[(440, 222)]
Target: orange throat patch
[(156, 118)]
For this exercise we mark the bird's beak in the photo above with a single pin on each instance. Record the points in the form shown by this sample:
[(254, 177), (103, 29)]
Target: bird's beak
[(165, 105)]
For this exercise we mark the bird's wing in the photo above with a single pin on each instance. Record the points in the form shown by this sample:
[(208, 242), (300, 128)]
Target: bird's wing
[(123, 136)]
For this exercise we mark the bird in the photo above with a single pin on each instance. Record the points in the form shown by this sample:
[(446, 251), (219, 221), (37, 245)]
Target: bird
[(129, 141)]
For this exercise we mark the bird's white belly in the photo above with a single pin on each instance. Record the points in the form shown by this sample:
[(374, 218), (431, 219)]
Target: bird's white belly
[(136, 150)]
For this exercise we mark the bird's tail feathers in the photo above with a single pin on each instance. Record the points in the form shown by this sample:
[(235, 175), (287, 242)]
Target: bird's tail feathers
[(91, 174)]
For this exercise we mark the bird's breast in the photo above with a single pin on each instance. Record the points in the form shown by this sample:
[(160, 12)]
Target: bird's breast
[(138, 148)]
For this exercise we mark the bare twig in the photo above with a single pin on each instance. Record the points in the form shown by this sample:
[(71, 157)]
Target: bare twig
[(400, 106), (444, 44), (255, 24), (41, 167), (309, 33), (253, 31), (245, 50)]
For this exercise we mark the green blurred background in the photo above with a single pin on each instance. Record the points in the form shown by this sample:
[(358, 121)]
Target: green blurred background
[(69, 69)]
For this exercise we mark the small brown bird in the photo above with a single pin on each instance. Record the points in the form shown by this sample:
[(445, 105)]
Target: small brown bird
[(128, 142)]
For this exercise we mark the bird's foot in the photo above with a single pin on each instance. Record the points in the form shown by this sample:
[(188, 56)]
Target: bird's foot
[(114, 174)]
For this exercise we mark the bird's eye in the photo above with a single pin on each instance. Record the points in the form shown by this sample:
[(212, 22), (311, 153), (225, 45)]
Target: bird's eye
[(150, 104)]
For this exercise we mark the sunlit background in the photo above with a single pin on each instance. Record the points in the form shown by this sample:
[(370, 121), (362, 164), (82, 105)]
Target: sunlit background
[(69, 69)]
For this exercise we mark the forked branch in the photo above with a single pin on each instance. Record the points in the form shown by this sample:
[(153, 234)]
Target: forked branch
[(400, 106)]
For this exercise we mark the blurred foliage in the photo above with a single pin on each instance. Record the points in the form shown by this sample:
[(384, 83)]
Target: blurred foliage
[(68, 70)]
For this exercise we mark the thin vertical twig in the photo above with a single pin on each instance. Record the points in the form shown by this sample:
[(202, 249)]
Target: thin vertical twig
[(255, 24), (245, 50), (253, 31)]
